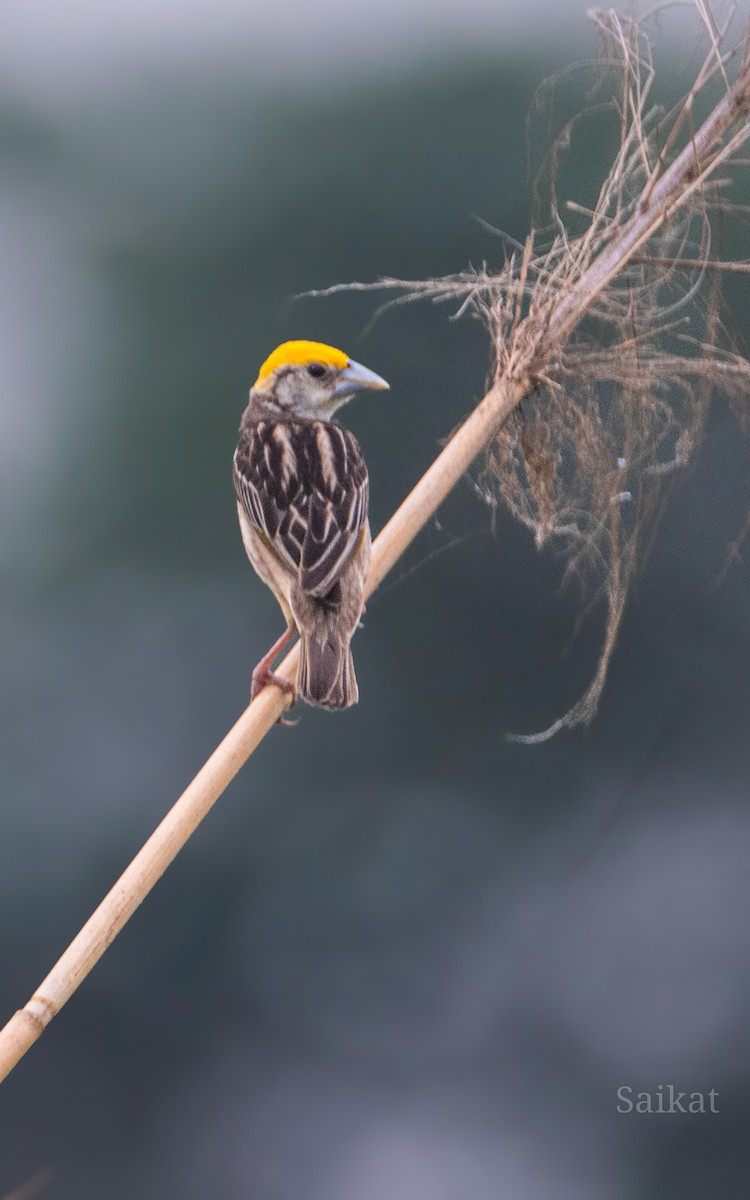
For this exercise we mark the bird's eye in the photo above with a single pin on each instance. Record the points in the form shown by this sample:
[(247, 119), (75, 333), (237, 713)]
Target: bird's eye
[(316, 370)]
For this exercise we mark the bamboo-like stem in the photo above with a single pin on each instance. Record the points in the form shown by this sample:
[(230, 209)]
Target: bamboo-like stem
[(32, 1187), (539, 340)]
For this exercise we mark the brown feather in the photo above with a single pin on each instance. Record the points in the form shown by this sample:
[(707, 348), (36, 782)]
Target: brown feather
[(302, 492)]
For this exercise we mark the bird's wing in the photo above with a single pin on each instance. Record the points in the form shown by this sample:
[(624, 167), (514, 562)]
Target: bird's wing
[(304, 485)]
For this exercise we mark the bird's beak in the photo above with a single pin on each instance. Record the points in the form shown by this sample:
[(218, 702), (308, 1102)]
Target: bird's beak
[(356, 378)]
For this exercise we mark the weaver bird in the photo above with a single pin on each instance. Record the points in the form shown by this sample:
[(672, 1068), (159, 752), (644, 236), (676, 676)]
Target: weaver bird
[(302, 491)]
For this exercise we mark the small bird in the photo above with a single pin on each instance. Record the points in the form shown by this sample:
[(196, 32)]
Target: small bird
[(302, 492)]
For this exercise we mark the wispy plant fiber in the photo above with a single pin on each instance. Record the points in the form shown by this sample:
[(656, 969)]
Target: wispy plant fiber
[(617, 401)]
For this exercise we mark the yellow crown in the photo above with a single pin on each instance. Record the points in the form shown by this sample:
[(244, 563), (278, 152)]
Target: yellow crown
[(298, 354)]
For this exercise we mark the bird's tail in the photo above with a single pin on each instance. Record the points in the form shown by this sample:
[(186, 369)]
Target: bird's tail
[(326, 671)]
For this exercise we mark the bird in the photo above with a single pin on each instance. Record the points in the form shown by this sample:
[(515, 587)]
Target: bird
[(302, 492)]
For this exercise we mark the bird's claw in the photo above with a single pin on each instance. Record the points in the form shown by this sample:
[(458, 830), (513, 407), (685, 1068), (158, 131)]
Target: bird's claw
[(263, 676)]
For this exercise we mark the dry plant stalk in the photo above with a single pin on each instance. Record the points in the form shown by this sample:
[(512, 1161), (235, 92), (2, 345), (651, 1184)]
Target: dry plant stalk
[(629, 285), (32, 1187)]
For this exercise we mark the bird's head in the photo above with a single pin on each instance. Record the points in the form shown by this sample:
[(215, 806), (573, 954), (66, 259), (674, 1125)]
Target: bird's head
[(310, 379)]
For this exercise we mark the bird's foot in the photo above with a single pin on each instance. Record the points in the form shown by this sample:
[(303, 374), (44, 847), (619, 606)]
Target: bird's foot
[(263, 675)]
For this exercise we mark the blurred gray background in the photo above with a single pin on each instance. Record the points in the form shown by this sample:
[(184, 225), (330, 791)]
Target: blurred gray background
[(402, 957)]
